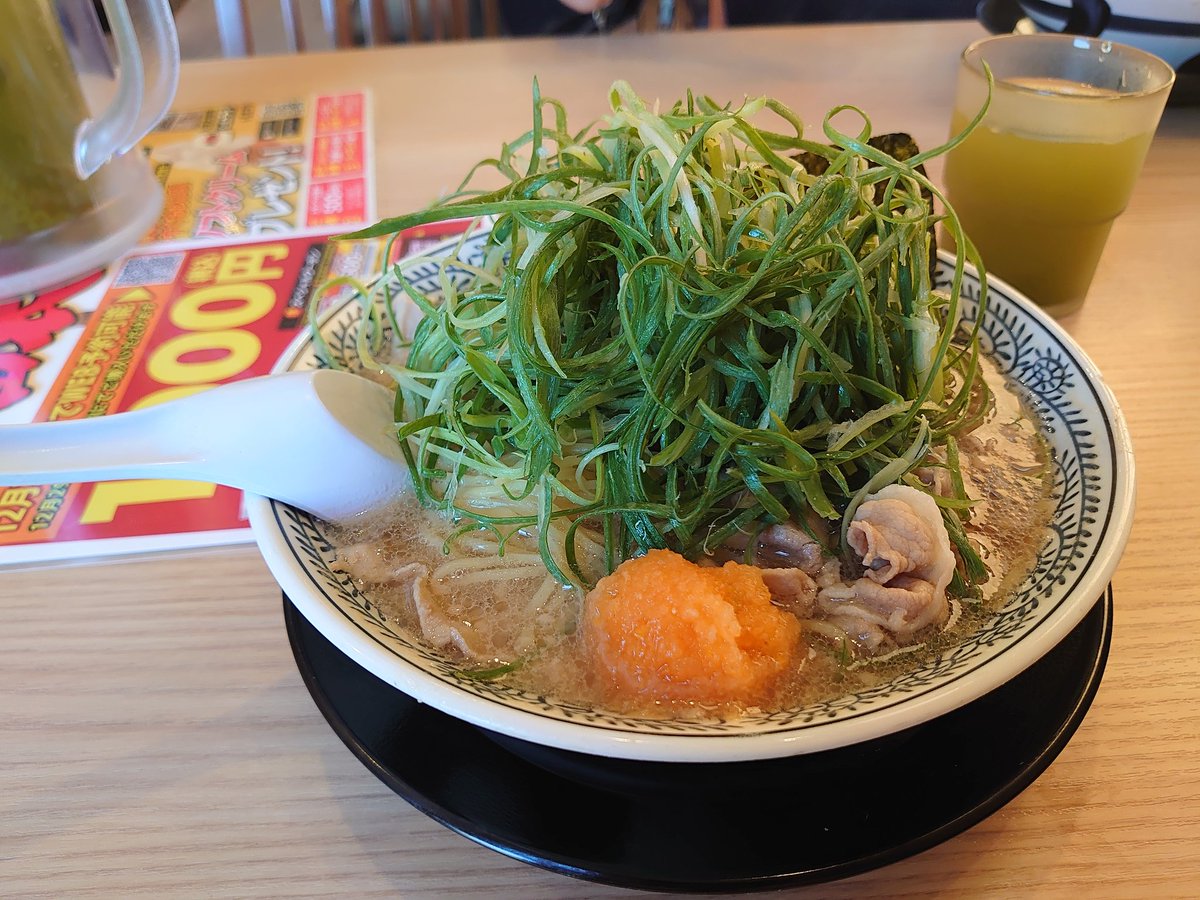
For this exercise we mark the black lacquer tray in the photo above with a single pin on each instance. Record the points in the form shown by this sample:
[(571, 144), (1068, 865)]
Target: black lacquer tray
[(713, 827)]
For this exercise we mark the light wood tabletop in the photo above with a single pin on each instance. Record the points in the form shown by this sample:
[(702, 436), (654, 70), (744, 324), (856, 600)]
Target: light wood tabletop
[(156, 738)]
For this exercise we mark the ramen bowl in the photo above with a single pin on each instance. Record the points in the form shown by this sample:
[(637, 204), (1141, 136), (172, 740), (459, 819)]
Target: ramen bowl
[(1093, 496)]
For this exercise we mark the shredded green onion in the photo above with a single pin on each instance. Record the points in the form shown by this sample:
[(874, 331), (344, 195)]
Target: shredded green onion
[(687, 326)]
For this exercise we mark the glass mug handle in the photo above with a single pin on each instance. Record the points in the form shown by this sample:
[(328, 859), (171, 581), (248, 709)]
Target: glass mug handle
[(147, 62)]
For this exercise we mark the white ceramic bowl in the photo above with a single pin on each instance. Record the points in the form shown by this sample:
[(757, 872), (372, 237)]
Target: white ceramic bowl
[(1095, 498)]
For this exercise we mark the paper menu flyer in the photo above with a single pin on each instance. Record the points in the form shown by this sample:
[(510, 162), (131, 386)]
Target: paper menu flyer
[(162, 323), (248, 170)]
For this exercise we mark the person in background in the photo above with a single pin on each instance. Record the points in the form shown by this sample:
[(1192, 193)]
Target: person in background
[(526, 17), (582, 16)]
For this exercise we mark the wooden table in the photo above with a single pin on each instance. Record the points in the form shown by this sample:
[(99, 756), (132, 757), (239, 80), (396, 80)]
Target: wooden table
[(156, 739)]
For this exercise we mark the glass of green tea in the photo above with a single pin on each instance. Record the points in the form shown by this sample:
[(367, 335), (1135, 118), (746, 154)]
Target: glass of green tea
[(1038, 184)]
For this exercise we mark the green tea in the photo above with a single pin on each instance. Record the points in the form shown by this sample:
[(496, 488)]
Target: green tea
[(41, 108), (1039, 208)]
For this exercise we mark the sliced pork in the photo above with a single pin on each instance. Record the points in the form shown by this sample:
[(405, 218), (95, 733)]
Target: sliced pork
[(937, 478), (369, 563), (365, 563), (437, 626), (791, 589), (899, 531), (907, 563), (783, 546)]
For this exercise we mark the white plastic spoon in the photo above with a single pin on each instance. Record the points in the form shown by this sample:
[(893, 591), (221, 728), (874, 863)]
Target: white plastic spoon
[(322, 441)]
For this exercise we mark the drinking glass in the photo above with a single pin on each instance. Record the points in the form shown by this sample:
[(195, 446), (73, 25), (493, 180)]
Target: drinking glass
[(1039, 182)]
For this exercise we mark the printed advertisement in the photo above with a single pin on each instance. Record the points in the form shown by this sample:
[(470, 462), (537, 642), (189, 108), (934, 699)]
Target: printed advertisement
[(163, 324), (260, 170)]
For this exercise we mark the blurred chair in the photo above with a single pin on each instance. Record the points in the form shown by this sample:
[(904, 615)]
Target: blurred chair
[(440, 19), (351, 23)]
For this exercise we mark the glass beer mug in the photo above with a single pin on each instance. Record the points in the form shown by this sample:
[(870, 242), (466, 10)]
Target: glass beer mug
[(74, 193)]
